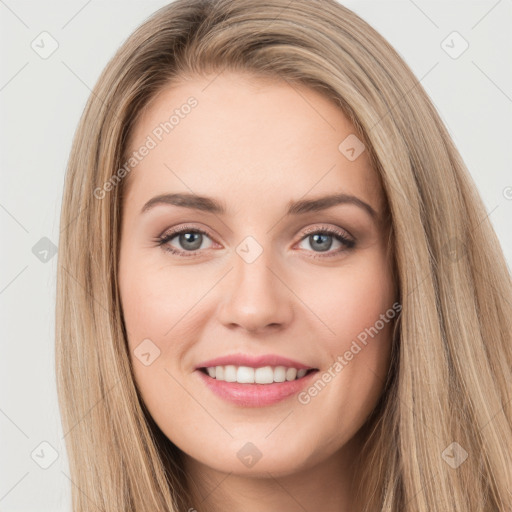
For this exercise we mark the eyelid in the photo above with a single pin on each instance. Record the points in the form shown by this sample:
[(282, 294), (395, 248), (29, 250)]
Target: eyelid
[(184, 227), (340, 234), (337, 232), (307, 231), (328, 229)]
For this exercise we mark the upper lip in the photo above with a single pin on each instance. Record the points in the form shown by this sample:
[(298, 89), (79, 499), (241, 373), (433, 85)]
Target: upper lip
[(253, 361)]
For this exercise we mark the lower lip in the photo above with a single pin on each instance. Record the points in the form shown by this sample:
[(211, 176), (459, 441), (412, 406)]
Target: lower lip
[(255, 395)]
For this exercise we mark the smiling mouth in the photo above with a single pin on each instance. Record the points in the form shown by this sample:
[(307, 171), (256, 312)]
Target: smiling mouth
[(260, 375)]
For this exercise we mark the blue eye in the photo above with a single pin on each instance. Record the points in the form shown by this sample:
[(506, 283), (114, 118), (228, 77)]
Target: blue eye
[(191, 241), (322, 241)]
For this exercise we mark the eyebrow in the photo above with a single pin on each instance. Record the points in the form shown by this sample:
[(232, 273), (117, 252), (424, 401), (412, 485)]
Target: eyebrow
[(208, 204)]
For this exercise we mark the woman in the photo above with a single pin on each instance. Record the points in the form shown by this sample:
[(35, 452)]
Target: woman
[(278, 287)]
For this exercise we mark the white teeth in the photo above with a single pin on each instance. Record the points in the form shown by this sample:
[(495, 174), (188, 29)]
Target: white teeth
[(279, 374), (264, 375), (248, 375), (245, 375), (230, 373), (291, 373)]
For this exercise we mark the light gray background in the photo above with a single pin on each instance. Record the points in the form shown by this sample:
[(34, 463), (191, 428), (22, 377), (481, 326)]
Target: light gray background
[(41, 101)]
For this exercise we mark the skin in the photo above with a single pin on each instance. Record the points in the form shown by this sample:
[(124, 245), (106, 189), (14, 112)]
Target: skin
[(250, 144)]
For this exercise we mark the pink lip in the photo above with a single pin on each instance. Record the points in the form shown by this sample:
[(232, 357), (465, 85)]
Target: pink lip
[(255, 395), (253, 362)]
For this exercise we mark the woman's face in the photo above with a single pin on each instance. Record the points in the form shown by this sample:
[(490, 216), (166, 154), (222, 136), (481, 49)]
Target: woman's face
[(265, 273)]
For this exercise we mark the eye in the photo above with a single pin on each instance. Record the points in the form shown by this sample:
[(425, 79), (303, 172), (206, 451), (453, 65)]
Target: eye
[(322, 240), (189, 240)]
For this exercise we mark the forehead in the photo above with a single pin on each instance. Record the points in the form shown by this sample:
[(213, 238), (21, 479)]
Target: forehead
[(236, 136)]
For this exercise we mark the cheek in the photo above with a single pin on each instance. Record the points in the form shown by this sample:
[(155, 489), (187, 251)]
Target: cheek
[(164, 310), (158, 307), (353, 299), (357, 307), (156, 300)]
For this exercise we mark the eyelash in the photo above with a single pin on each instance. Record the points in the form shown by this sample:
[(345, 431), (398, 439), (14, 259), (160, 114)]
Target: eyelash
[(338, 235)]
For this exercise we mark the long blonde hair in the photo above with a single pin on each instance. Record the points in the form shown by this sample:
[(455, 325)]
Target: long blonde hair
[(451, 373)]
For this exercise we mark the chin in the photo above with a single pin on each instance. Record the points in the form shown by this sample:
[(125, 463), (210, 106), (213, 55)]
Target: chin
[(257, 459)]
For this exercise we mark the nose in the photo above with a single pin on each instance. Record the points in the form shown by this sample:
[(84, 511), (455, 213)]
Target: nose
[(255, 297)]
